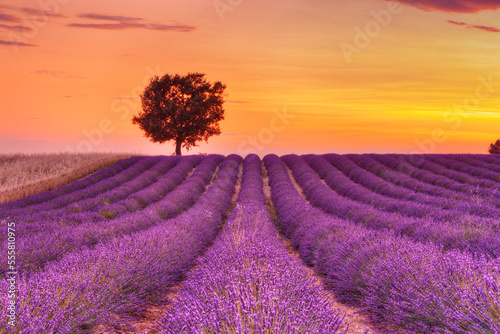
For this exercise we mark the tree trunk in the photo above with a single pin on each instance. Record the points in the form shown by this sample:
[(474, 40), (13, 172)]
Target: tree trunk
[(178, 144)]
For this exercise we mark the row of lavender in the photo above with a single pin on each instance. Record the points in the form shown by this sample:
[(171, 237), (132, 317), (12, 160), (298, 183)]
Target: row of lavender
[(102, 177), (364, 171), (175, 196), (114, 196), (123, 275), (149, 186), (340, 196), (395, 169), (101, 192), (411, 286), (75, 186), (247, 282), (90, 285), (425, 168), (469, 166), (92, 244)]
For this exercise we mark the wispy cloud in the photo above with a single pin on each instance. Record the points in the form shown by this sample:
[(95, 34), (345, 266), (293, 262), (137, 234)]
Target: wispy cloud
[(118, 18), (53, 73), (471, 26), (456, 6), (9, 18), (15, 28), (127, 25), (170, 27), (40, 12), (32, 11), (59, 74), (30, 18), (118, 22), (15, 43), (103, 26)]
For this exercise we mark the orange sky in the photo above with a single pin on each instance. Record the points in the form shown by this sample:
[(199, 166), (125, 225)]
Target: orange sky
[(302, 76)]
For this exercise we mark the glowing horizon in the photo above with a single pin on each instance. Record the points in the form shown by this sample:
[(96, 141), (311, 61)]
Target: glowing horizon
[(374, 76)]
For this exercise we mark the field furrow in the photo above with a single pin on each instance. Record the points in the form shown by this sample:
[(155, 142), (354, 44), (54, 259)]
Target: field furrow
[(465, 232), (406, 286), (247, 281), (34, 251), (294, 244), (122, 274), (421, 161), (366, 187), (90, 191)]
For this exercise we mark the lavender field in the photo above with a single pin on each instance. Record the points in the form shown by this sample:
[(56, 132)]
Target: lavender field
[(411, 241)]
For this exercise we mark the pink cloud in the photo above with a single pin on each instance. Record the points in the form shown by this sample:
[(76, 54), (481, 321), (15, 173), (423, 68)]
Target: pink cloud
[(118, 18), (15, 28), (13, 43), (118, 22), (456, 6), (126, 25), (471, 26), (9, 18)]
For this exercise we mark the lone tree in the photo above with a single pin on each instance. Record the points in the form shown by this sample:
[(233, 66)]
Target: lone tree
[(495, 148), (185, 109)]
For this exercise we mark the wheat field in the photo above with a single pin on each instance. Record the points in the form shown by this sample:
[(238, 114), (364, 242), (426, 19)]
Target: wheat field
[(27, 174)]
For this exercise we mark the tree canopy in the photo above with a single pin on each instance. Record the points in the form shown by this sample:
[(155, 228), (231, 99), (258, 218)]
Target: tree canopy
[(185, 109), (495, 148)]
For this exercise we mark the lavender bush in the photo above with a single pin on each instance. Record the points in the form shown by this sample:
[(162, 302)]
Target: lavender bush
[(474, 234), (120, 276), (366, 187), (429, 176), (247, 282), (414, 287), (34, 251), (422, 162), (90, 191), (413, 241)]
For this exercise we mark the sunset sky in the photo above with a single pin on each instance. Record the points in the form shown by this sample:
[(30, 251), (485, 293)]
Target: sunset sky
[(302, 76)]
